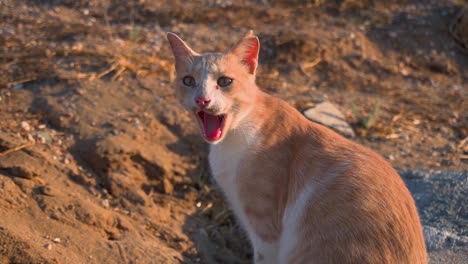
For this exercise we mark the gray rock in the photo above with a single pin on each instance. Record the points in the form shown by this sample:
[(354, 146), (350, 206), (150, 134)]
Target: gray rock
[(441, 200), (440, 239), (328, 115)]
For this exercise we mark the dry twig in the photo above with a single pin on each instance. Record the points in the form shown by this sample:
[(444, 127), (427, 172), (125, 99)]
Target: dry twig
[(8, 151)]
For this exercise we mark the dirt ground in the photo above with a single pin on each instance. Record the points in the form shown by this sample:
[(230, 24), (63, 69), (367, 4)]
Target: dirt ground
[(99, 164)]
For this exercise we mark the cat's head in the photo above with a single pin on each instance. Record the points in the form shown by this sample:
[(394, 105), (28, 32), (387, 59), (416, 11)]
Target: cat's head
[(217, 89)]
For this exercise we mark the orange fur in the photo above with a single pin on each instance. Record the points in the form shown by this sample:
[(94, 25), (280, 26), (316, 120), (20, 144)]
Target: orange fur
[(303, 193)]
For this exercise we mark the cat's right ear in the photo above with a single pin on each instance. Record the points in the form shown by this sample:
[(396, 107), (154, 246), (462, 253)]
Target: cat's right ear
[(181, 51)]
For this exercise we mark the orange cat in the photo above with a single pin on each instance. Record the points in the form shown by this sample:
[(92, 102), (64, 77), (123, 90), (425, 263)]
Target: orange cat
[(303, 193)]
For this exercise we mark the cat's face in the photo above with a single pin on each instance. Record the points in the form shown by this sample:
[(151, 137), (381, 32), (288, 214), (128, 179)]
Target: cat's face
[(218, 90)]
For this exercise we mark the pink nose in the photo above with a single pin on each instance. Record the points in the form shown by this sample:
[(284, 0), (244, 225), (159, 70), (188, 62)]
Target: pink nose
[(202, 102)]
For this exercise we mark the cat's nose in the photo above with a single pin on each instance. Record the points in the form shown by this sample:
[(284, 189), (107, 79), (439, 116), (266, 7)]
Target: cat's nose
[(202, 101)]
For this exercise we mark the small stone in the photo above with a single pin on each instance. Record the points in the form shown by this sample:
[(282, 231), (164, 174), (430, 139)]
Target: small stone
[(48, 246), (327, 114), (53, 215), (57, 240), (25, 126), (404, 72), (80, 91), (46, 190), (105, 203), (41, 126), (41, 139), (113, 235)]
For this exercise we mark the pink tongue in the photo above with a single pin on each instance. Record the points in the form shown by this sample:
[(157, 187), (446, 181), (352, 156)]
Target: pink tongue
[(212, 126)]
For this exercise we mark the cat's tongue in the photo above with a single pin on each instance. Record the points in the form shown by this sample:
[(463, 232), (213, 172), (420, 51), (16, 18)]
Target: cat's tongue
[(212, 126)]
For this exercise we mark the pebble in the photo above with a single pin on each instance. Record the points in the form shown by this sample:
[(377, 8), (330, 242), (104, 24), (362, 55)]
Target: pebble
[(41, 139), (25, 126), (105, 203), (43, 136), (404, 72), (46, 190), (48, 246), (80, 91), (57, 240), (327, 114)]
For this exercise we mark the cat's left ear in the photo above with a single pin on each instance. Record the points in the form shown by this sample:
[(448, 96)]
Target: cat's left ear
[(182, 52), (247, 50)]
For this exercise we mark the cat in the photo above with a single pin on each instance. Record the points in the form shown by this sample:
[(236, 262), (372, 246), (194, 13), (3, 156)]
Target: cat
[(303, 193)]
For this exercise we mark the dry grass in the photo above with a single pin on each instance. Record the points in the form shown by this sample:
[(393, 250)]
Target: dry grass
[(78, 49)]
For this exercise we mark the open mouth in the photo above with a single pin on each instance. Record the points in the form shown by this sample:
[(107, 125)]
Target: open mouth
[(212, 125)]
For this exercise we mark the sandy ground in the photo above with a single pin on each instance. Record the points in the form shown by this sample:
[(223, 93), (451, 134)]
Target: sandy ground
[(99, 164)]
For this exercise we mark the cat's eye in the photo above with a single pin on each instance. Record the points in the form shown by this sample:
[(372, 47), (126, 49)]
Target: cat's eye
[(188, 81), (224, 81)]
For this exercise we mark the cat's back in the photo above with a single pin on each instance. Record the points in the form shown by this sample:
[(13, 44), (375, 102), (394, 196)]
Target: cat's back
[(359, 209), (354, 206)]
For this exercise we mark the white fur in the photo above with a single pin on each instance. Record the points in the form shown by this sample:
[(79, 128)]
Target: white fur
[(293, 215), (225, 158)]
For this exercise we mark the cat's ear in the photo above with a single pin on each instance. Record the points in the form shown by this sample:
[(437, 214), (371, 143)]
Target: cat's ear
[(247, 51), (181, 51)]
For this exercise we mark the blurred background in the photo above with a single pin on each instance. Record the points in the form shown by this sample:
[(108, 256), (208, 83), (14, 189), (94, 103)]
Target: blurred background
[(99, 164)]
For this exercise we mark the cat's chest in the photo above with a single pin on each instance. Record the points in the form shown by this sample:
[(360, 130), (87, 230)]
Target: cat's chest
[(225, 162)]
